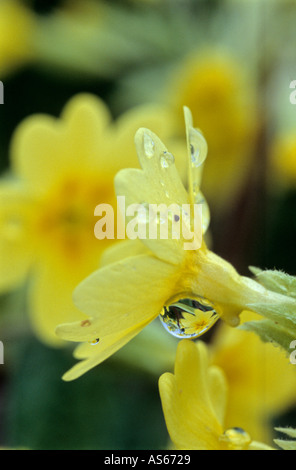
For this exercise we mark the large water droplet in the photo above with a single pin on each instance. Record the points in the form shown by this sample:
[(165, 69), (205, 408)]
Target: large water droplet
[(149, 145), (189, 318), (167, 159)]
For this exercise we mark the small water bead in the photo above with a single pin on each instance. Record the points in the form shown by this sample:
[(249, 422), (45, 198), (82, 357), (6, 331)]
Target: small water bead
[(143, 213), (167, 159), (189, 317), (198, 147), (206, 216), (237, 437), (149, 145), (161, 218), (94, 342)]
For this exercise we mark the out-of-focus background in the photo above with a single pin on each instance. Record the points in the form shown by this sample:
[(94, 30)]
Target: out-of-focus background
[(233, 64)]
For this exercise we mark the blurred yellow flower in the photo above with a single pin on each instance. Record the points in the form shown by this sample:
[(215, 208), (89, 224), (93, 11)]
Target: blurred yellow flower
[(16, 25), (261, 379), (283, 160), (220, 98), (194, 401), (158, 275), (61, 170)]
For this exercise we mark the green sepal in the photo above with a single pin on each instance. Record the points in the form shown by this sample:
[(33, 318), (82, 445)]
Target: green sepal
[(270, 332), (276, 281), (286, 444)]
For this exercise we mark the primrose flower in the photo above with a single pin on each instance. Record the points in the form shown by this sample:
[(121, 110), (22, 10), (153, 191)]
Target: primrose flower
[(283, 160), (157, 276), (61, 170), (261, 379), (194, 401), (16, 26), (213, 86)]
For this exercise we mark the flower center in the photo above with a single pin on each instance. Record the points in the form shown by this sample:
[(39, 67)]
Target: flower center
[(66, 217)]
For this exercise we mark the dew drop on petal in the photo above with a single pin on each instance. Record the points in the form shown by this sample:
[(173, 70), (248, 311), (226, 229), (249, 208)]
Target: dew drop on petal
[(149, 145), (197, 156), (166, 159), (189, 318), (206, 216), (94, 342), (238, 438), (143, 213)]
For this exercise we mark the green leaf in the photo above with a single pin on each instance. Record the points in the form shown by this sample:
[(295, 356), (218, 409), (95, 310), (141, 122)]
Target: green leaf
[(286, 444), (281, 311), (277, 281), (270, 332), (291, 432)]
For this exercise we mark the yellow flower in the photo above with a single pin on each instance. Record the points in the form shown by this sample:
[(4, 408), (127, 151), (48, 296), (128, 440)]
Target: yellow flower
[(194, 401), (144, 276), (16, 26), (213, 86), (61, 170), (261, 379), (283, 160)]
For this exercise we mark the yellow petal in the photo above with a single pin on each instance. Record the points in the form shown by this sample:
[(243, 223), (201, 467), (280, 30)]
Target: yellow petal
[(44, 148), (94, 355), (158, 184), (189, 412), (120, 296), (261, 379), (50, 300), (16, 254), (121, 250), (218, 390), (151, 116), (17, 25)]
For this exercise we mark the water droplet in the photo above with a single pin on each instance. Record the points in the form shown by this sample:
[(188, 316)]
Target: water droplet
[(206, 216), (161, 218), (143, 213), (166, 159), (94, 342), (189, 317), (198, 147), (148, 145), (237, 438)]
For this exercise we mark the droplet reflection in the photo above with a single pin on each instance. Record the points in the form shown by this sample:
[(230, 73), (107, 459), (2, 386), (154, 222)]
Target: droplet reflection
[(189, 318), (148, 145)]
